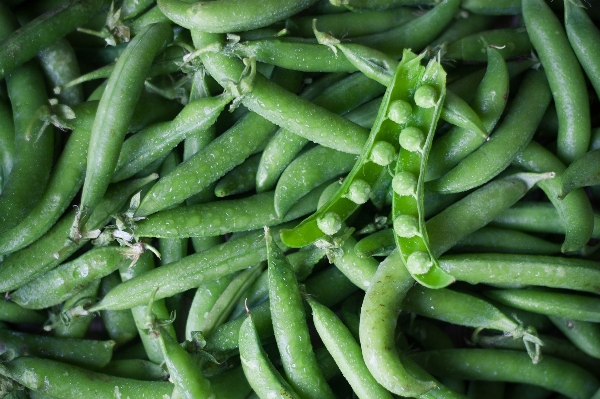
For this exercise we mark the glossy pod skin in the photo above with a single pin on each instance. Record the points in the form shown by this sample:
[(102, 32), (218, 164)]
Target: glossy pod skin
[(47, 376), (116, 109), (513, 366), (25, 43), (564, 77), (229, 15), (290, 327)]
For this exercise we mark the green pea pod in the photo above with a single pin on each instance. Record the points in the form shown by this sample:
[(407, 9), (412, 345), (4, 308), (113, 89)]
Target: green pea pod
[(379, 152), (240, 179), (48, 376), (188, 378), (116, 109), (289, 324), (564, 77), (64, 183), (346, 352), (260, 372), (309, 170), (25, 43), (550, 302), (506, 142), (496, 240), (511, 366), (34, 146), (582, 172), (424, 93), (582, 33), (510, 42), (79, 352), (229, 15), (12, 313), (378, 320), (66, 280), (119, 324), (467, 215), (582, 334), (575, 209)]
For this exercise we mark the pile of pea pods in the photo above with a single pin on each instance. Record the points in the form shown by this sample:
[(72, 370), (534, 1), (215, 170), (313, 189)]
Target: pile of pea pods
[(310, 199)]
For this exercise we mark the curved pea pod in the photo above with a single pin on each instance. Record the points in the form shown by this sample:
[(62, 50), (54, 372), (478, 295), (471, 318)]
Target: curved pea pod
[(66, 280), (510, 42), (26, 42), (489, 102), (582, 172), (290, 327), (379, 152), (48, 376), (346, 352), (575, 209), (378, 318), (582, 34), (511, 366), (79, 352), (64, 183), (60, 65), (506, 142), (260, 372), (425, 93), (229, 15), (115, 111), (188, 378), (582, 334)]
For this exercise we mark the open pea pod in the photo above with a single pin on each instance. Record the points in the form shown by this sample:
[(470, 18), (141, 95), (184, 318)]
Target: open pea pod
[(418, 112), (379, 152)]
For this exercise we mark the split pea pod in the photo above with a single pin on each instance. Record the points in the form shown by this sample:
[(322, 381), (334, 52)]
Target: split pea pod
[(379, 152), (116, 109), (564, 77), (427, 86), (290, 327)]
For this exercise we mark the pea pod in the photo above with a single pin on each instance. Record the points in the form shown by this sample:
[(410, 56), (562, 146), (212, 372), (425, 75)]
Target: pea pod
[(289, 324), (229, 15), (379, 152), (260, 372), (424, 90), (48, 376), (564, 77), (115, 111), (582, 172)]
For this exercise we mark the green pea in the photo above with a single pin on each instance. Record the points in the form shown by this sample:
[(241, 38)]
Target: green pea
[(400, 111), (404, 183), (426, 96), (383, 153), (406, 226), (359, 191), (330, 223), (412, 139), (419, 262)]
